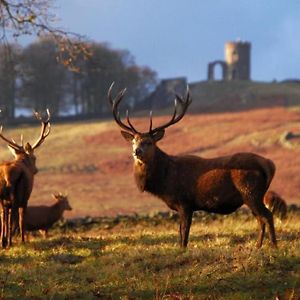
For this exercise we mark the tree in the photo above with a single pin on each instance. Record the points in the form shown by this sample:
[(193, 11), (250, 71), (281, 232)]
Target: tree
[(43, 78), (9, 56), (32, 17), (99, 70)]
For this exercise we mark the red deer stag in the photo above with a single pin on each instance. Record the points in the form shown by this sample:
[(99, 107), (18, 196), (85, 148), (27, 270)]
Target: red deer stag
[(16, 181), (189, 183)]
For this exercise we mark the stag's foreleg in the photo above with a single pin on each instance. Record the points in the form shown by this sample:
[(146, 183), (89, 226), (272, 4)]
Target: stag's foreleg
[(4, 225), (185, 216)]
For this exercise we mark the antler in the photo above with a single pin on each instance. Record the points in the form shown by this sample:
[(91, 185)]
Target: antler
[(44, 133), (184, 103), (114, 104), (45, 129), (11, 142)]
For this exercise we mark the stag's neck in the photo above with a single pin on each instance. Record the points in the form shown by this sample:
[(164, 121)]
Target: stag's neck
[(26, 164), (150, 175)]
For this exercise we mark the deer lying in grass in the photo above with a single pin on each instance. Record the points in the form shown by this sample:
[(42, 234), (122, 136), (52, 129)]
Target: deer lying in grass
[(43, 217), (189, 183), (275, 204), (16, 181)]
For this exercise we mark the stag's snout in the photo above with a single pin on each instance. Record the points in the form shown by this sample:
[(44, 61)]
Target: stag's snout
[(138, 152)]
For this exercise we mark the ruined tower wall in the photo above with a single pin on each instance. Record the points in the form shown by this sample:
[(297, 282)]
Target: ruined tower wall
[(237, 58)]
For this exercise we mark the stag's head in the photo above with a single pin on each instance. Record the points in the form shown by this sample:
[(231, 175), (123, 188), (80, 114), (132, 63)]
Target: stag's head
[(63, 201), (26, 152), (144, 143)]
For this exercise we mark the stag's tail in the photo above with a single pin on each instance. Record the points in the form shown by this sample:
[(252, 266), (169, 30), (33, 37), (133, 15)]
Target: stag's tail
[(275, 204)]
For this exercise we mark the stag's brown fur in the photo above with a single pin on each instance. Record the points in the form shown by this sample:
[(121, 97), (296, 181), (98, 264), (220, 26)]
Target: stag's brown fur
[(43, 217), (276, 204), (16, 182), (219, 185), (190, 183)]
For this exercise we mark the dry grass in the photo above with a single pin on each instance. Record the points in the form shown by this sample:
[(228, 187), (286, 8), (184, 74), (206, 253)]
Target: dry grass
[(139, 258)]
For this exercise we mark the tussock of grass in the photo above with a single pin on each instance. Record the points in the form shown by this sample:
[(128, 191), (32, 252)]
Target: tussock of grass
[(139, 258)]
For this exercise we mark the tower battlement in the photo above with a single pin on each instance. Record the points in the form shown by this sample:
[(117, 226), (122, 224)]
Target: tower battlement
[(236, 65)]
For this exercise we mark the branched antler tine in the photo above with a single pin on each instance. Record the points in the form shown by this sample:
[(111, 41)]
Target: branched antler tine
[(11, 142), (150, 127), (169, 122), (184, 103), (174, 114), (114, 103), (45, 129), (22, 141), (37, 115), (117, 117), (128, 121), (48, 116), (109, 93)]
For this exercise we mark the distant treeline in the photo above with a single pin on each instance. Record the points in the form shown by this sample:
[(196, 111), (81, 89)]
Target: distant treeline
[(32, 77)]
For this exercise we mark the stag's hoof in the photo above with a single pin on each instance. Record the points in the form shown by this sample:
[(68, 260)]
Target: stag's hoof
[(258, 245), (4, 243), (274, 246)]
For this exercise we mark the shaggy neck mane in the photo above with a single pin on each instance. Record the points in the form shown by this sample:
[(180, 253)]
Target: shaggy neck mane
[(150, 176)]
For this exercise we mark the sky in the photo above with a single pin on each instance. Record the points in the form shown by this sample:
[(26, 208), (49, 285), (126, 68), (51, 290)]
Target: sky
[(180, 37)]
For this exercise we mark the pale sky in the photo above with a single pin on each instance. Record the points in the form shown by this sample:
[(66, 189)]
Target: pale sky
[(179, 37)]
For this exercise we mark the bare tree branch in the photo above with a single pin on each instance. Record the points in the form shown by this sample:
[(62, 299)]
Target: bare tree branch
[(32, 17)]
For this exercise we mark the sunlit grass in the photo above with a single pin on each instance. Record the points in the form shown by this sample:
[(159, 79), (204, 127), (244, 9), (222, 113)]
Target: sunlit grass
[(140, 259)]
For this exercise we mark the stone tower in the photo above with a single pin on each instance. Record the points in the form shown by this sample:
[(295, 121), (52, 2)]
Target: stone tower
[(237, 59)]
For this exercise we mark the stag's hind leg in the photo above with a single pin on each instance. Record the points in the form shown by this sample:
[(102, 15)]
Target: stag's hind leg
[(264, 218), (252, 188)]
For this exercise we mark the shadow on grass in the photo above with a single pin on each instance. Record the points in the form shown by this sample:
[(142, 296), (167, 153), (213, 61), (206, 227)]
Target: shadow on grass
[(91, 243), (68, 243), (263, 283), (150, 240)]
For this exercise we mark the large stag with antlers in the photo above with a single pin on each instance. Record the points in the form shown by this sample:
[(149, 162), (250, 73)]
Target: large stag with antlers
[(16, 180), (188, 183)]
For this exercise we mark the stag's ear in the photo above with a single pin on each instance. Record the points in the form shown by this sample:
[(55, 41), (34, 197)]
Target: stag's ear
[(28, 148), (127, 136), (158, 135), (54, 196)]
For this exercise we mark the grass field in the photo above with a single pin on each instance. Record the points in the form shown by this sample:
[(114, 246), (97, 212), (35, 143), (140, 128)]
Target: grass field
[(139, 258)]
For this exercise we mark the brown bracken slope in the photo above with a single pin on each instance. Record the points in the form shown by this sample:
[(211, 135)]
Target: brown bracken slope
[(92, 163)]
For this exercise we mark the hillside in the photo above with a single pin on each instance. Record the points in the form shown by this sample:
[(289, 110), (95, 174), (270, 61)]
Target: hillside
[(92, 163), (221, 96)]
